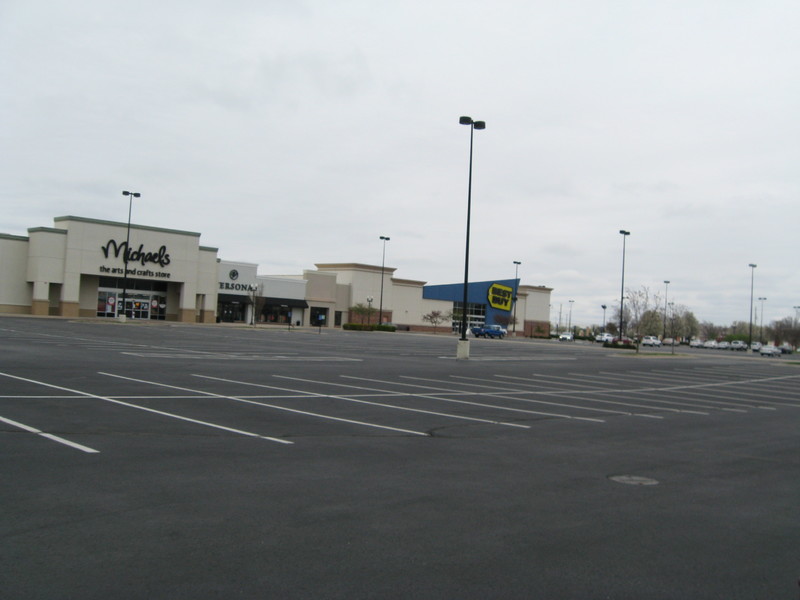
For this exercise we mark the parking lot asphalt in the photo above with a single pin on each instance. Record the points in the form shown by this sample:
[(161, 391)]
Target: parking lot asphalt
[(182, 461)]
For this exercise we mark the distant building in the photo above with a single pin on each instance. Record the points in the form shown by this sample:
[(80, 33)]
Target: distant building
[(77, 269)]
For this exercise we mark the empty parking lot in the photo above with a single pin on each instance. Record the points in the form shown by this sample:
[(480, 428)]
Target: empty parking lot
[(208, 461)]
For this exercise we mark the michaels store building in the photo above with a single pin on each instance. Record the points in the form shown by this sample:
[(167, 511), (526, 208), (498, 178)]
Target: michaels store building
[(77, 269)]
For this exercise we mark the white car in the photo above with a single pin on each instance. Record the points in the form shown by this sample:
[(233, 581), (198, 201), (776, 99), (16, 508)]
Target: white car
[(769, 351), (651, 340), (695, 343), (603, 337), (565, 337), (710, 344), (755, 346)]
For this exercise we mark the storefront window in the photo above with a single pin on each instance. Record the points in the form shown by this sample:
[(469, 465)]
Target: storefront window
[(138, 304), (107, 304), (476, 315)]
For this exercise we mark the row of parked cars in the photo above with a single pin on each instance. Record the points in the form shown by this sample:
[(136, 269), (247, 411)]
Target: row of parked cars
[(653, 341), (763, 349)]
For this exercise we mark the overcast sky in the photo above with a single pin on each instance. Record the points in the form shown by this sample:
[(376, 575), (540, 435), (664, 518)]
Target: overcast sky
[(290, 133)]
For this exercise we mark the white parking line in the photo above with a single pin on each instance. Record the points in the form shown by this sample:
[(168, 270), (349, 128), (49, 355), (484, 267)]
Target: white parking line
[(393, 394), (514, 394), (275, 406), (144, 408), (467, 402), (50, 436)]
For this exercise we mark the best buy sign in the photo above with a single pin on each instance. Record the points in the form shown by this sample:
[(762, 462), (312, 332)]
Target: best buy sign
[(500, 296)]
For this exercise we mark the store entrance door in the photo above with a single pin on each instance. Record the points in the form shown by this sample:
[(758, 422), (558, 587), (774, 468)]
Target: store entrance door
[(137, 307)]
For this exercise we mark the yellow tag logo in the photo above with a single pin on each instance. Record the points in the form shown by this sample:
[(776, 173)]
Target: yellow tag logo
[(501, 296)]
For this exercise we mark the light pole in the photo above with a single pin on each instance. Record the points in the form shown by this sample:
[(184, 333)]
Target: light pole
[(569, 324), (796, 308), (672, 324), (761, 332), (369, 310), (383, 263), (625, 234), (666, 293), (516, 288), (463, 346), (126, 254), (604, 307), (752, 280)]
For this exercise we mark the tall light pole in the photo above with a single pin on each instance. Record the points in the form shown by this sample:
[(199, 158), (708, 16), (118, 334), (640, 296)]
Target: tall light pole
[(666, 292), (516, 288), (604, 307), (369, 310), (126, 254), (761, 333), (672, 325), (569, 325), (796, 308), (752, 280), (625, 234), (383, 263), (463, 351)]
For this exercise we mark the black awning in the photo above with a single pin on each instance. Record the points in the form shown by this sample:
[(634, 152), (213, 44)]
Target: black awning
[(234, 299), (291, 302)]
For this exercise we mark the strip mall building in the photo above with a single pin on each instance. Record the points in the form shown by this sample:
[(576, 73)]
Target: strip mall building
[(77, 269)]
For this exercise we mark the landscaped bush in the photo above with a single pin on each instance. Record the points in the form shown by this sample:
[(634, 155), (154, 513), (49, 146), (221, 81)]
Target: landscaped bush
[(359, 327), (619, 345), (370, 327)]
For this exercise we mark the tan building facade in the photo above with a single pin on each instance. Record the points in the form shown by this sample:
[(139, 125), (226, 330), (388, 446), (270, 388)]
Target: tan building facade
[(77, 269)]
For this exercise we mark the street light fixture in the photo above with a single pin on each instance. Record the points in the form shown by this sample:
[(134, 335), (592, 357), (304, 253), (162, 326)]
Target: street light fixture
[(516, 288), (463, 346), (666, 293), (752, 280), (383, 263), (625, 234), (126, 254), (761, 332)]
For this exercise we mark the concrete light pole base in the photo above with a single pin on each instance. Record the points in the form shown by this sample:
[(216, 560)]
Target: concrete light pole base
[(121, 318), (462, 352)]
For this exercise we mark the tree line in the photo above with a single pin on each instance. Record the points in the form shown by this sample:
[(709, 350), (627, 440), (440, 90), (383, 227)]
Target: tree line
[(645, 313)]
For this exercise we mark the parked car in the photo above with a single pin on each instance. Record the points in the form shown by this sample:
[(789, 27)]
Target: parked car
[(723, 345), (603, 337), (769, 351), (738, 345), (651, 340), (489, 331), (669, 342), (785, 348), (565, 336), (756, 346), (695, 343), (622, 341), (710, 344)]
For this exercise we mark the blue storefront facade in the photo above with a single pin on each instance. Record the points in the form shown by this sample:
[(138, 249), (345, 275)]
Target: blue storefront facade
[(488, 302)]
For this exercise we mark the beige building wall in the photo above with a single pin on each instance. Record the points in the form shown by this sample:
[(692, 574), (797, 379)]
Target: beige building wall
[(16, 293), (56, 270)]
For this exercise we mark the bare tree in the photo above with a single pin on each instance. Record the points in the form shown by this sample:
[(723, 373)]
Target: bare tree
[(435, 317)]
